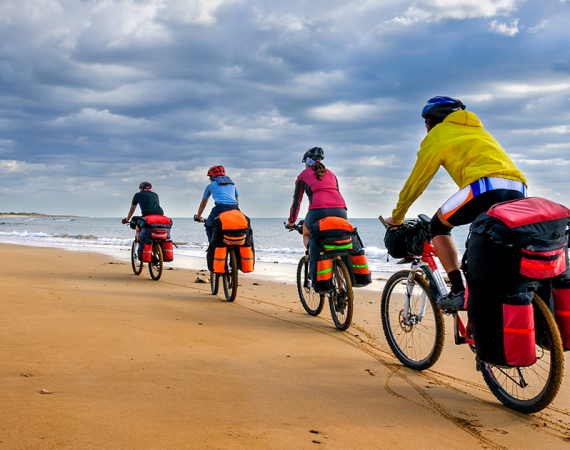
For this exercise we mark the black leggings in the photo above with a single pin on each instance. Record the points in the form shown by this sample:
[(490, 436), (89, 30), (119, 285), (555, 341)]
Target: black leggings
[(469, 212)]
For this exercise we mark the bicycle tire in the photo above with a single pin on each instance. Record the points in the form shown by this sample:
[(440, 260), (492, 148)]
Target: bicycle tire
[(553, 357), (341, 300), (312, 302), (214, 282), (230, 277), (135, 262), (156, 264), (418, 343)]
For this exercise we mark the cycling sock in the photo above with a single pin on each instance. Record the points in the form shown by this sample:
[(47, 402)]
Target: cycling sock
[(456, 281)]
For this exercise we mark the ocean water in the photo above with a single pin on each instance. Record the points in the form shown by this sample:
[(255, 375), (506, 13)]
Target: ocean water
[(273, 243)]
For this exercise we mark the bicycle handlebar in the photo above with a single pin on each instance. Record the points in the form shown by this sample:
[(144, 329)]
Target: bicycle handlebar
[(297, 227), (200, 220)]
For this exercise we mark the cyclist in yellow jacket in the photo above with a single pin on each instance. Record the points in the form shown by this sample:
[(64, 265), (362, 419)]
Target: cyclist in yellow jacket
[(478, 165)]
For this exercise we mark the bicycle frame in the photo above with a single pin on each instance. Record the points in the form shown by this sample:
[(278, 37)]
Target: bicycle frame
[(428, 265)]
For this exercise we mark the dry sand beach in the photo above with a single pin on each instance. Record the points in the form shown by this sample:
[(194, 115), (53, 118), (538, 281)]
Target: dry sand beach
[(136, 364)]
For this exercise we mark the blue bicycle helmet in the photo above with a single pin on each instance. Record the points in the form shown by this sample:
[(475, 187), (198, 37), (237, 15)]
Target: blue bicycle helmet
[(440, 107)]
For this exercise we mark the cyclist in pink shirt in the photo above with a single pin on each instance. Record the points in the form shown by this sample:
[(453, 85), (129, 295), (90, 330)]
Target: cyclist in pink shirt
[(321, 187)]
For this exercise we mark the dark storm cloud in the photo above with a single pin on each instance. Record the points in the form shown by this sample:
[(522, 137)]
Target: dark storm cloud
[(97, 95)]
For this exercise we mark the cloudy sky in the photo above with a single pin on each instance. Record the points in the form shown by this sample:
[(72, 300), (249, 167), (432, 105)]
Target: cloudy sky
[(99, 95)]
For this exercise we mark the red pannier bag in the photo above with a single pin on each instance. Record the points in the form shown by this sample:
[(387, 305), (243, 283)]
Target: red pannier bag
[(511, 246), (167, 252)]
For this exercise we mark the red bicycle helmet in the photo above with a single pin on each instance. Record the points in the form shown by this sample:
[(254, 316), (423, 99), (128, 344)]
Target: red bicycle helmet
[(216, 171), (145, 185)]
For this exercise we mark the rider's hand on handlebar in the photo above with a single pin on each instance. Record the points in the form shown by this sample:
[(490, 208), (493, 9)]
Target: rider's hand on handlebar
[(124, 221), (291, 225), (393, 223)]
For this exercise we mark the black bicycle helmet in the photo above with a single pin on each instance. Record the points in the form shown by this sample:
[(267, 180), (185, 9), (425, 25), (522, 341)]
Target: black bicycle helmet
[(440, 107), (145, 185), (315, 153)]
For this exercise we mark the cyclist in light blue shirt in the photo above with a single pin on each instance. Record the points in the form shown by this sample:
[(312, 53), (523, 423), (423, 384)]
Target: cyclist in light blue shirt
[(225, 195)]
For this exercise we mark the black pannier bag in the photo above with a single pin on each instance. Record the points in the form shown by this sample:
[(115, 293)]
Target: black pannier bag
[(330, 235), (408, 239), (514, 243), (231, 228), (155, 227)]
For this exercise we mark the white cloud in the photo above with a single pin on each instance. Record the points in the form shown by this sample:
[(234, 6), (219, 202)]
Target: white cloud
[(344, 112), (89, 117), (537, 28), (433, 10), (502, 28), (192, 12)]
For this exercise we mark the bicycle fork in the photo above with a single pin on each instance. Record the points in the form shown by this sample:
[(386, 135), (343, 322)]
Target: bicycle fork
[(407, 317)]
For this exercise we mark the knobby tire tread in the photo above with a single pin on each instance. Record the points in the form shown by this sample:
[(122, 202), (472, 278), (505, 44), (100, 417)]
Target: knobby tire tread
[(301, 270), (156, 272), (549, 392), (232, 277), (434, 355), (135, 262), (341, 266)]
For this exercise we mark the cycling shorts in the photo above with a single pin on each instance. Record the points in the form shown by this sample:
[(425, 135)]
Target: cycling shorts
[(314, 215), (464, 206)]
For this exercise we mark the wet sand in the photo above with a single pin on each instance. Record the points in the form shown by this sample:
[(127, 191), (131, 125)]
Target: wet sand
[(133, 363)]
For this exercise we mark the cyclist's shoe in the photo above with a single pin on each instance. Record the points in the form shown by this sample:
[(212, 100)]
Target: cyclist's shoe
[(452, 301)]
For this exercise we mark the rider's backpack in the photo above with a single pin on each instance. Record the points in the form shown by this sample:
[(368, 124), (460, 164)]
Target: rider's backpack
[(231, 228), (155, 227), (330, 235), (407, 239), (513, 244)]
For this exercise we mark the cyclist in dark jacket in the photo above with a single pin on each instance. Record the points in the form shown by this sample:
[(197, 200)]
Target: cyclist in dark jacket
[(148, 202)]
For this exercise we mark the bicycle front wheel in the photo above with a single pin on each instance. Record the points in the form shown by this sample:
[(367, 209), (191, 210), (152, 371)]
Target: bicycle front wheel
[(531, 389), (311, 301), (156, 263), (416, 338), (341, 298), (214, 282), (135, 262), (230, 277)]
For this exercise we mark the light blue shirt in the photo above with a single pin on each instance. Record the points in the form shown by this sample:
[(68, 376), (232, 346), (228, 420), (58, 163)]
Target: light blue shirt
[(223, 195)]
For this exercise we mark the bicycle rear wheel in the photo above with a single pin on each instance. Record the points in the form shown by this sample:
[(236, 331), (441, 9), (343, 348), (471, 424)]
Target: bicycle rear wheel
[(311, 301), (417, 341), (531, 389), (214, 282), (156, 263), (135, 262), (230, 277), (341, 298)]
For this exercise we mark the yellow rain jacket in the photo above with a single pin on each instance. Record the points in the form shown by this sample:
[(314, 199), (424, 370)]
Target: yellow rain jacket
[(462, 146)]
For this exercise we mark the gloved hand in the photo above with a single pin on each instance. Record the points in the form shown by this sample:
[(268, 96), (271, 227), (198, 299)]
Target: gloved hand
[(124, 221)]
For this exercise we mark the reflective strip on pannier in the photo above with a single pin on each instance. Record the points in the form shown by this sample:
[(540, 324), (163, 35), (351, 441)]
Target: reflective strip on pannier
[(545, 264), (359, 264), (343, 244), (233, 219), (324, 269), (334, 223), (220, 255), (234, 240), (167, 250), (324, 275), (147, 252), (159, 234), (562, 314), (518, 333), (247, 259)]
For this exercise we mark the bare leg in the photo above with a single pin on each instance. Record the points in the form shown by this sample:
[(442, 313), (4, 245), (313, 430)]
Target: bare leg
[(137, 233), (446, 252), (306, 233)]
